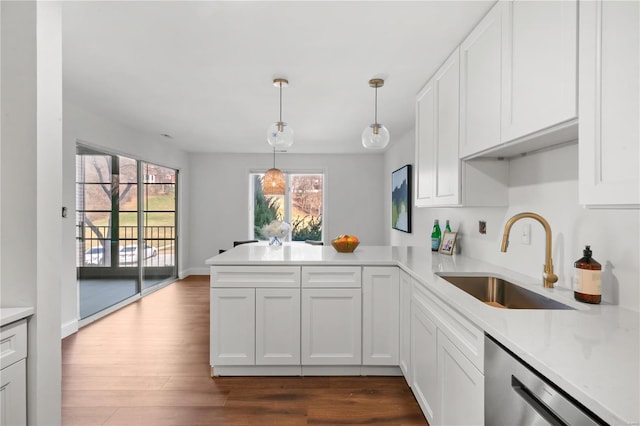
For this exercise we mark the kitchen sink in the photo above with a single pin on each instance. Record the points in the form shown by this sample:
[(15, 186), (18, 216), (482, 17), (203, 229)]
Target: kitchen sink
[(501, 293)]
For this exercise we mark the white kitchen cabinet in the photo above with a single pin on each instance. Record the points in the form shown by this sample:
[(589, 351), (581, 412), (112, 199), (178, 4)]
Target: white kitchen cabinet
[(460, 385), (331, 326), (405, 326), (437, 136), (255, 316), (424, 359), (13, 395), (331, 322), (233, 326), (441, 178), (480, 85), (447, 169), (13, 375), (380, 315), (425, 146), (539, 66), (609, 103), (447, 361), (277, 326)]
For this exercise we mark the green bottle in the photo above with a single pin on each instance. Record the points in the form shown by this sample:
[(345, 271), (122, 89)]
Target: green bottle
[(435, 236), (447, 228)]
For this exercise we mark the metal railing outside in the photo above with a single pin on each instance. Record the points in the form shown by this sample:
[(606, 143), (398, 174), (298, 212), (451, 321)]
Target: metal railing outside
[(94, 242)]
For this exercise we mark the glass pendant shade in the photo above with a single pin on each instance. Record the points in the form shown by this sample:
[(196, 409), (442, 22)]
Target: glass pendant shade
[(375, 136), (280, 135), (273, 183)]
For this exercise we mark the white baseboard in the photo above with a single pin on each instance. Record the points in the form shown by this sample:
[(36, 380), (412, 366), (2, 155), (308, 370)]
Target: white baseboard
[(193, 271), (68, 328)]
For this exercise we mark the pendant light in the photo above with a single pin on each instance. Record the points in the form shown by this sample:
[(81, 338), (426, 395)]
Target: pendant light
[(273, 182), (280, 134), (375, 136)]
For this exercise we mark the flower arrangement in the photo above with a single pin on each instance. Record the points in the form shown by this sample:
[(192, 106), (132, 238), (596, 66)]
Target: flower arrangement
[(275, 231)]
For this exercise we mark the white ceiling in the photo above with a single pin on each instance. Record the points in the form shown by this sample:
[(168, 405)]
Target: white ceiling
[(202, 71)]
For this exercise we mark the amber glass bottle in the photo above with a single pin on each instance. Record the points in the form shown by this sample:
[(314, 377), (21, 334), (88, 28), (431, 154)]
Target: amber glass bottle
[(587, 278)]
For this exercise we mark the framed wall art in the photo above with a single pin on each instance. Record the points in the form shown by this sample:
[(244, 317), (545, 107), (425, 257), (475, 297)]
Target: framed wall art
[(401, 199)]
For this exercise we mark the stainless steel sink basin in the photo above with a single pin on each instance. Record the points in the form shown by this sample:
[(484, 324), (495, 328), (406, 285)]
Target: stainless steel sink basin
[(500, 293)]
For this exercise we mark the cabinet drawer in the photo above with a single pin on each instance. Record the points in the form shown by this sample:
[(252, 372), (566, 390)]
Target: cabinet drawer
[(332, 277), (255, 276), (468, 338), (13, 343)]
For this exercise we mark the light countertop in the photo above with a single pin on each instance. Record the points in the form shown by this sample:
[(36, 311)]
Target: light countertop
[(591, 352), (9, 315)]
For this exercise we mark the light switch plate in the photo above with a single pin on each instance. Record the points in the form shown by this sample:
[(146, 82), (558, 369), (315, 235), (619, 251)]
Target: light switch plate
[(525, 236)]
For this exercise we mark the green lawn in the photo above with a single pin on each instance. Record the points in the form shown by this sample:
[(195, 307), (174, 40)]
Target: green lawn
[(157, 202)]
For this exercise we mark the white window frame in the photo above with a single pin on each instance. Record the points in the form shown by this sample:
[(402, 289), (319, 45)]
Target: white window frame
[(287, 190)]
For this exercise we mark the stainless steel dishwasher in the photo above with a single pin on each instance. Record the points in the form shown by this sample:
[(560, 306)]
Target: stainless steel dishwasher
[(515, 394)]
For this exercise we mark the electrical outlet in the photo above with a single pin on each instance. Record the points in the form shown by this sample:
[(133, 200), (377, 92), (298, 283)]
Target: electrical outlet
[(525, 236), (482, 227)]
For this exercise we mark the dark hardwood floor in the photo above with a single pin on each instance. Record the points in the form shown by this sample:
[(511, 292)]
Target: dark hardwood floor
[(148, 364)]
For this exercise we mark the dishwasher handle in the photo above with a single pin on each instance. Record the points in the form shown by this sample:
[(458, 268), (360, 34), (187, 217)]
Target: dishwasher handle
[(536, 403)]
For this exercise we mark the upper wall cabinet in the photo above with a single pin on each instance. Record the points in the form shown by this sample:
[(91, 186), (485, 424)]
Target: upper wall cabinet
[(425, 146), (441, 178), (539, 66), (609, 103), (480, 70), (518, 79), (437, 137)]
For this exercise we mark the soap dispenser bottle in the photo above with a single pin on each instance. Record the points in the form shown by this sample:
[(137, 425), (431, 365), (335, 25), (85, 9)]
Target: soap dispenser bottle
[(587, 278)]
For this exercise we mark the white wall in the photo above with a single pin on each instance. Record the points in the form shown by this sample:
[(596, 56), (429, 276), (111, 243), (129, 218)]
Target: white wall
[(31, 191), (220, 198), (545, 183), (92, 129)]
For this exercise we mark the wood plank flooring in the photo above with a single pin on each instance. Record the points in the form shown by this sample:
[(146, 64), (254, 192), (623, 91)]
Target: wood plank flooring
[(148, 364)]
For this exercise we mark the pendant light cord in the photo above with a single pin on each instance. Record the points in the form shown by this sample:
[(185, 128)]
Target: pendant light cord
[(274, 157), (280, 102)]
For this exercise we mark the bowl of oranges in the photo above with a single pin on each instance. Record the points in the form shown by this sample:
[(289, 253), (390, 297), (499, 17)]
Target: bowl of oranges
[(345, 243)]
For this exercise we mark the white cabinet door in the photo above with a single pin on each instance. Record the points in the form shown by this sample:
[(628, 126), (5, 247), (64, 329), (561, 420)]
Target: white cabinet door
[(277, 326), (539, 71), (461, 387), (609, 103), (232, 326), (480, 85), (424, 360), (437, 132), (425, 146), (13, 395), (405, 325), (380, 315), (331, 326), (447, 163)]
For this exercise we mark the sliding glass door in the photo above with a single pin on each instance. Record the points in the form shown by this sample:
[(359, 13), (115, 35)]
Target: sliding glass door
[(159, 224), (116, 197)]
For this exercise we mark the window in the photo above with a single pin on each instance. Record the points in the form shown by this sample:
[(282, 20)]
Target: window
[(301, 206)]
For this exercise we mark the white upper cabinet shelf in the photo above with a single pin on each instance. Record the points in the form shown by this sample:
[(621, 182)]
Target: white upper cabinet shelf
[(518, 79), (609, 104)]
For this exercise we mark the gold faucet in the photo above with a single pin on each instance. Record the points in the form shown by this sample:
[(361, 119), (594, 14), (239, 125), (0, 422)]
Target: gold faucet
[(548, 277)]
